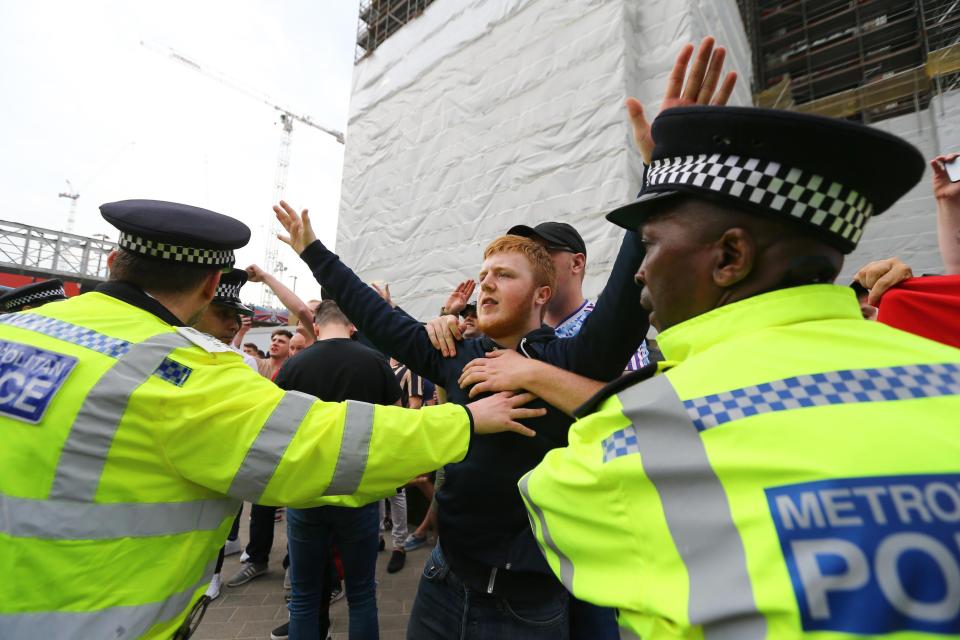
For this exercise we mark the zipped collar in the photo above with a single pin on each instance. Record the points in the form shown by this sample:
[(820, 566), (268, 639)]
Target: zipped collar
[(530, 345), (777, 308)]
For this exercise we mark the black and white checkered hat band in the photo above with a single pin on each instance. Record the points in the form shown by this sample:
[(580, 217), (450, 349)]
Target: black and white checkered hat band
[(174, 253), (804, 196), (231, 291), (33, 298)]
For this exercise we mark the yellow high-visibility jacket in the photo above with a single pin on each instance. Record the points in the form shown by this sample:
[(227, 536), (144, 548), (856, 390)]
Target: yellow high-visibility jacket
[(125, 445), (794, 472)]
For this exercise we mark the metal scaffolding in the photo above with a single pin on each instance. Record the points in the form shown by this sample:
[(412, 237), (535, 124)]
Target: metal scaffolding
[(380, 19), (861, 59), (33, 251)]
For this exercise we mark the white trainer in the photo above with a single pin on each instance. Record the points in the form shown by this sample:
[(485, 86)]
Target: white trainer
[(232, 547), (213, 591)]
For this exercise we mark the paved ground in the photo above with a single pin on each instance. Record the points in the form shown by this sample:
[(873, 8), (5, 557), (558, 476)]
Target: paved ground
[(253, 610)]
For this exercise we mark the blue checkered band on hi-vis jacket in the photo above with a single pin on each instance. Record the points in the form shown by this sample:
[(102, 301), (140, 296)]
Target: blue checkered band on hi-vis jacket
[(808, 197), (172, 252)]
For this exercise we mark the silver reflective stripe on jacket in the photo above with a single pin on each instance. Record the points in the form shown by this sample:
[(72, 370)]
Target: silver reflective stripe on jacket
[(697, 512), (354, 449), (115, 623), (268, 448), (566, 567), (55, 519), (85, 452)]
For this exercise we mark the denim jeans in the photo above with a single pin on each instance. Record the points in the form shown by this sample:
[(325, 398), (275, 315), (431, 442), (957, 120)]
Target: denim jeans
[(590, 622), (446, 609), (310, 532)]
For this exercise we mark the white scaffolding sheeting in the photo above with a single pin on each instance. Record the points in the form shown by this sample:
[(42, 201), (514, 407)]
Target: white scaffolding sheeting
[(482, 114)]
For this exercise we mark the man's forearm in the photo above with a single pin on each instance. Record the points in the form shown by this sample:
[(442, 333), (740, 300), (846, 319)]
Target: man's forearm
[(558, 387), (292, 302), (241, 334), (948, 235)]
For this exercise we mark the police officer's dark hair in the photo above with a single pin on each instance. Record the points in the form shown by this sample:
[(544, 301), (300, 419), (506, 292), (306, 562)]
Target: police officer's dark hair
[(329, 313), (154, 275)]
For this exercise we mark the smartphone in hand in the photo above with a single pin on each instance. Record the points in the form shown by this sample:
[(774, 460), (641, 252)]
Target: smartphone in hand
[(953, 169)]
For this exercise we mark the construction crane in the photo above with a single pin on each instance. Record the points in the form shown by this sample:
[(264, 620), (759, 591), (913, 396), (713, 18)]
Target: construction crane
[(72, 194), (287, 117)]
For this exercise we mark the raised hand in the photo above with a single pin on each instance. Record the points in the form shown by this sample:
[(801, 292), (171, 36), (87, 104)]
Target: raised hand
[(383, 292), (700, 88), (255, 273), (501, 411), (300, 233), (943, 189), (459, 298)]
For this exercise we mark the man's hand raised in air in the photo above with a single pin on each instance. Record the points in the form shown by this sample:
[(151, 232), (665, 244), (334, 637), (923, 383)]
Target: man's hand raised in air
[(300, 233), (700, 88)]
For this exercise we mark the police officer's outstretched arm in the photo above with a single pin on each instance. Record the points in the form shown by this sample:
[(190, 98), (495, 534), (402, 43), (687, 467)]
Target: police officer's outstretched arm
[(237, 433)]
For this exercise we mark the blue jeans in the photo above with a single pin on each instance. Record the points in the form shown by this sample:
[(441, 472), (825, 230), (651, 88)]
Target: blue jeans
[(446, 609), (590, 622), (310, 532)]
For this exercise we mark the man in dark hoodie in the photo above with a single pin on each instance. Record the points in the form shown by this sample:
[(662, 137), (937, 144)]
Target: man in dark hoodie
[(487, 570)]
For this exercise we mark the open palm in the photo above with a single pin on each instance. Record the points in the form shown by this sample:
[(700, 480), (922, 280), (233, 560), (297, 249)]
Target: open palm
[(700, 88)]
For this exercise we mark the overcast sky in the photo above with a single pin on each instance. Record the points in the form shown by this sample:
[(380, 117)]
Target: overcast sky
[(81, 99)]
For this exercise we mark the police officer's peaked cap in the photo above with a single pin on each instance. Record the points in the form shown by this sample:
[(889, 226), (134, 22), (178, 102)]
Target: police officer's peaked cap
[(827, 174), (176, 233), (32, 295), (228, 291)]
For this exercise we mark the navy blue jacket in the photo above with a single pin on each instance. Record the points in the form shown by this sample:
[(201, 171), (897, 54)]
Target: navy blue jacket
[(481, 514)]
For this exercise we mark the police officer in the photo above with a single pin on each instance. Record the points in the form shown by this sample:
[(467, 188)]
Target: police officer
[(128, 439), (33, 295), (790, 470)]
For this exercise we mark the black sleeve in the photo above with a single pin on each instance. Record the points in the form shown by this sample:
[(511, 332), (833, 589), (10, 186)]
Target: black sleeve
[(392, 332), (614, 329)]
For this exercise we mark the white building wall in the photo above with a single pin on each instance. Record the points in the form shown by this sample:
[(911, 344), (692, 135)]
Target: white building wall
[(482, 114)]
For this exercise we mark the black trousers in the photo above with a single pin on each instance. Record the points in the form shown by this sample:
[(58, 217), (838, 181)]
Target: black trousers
[(234, 532), (262, 524)]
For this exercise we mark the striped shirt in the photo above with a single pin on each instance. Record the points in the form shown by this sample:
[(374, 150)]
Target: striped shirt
[(410, 384)]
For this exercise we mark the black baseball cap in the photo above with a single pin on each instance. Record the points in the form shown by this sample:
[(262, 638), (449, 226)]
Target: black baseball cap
[(559, 235)]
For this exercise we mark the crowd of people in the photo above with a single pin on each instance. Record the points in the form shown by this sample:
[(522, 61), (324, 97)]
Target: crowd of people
[(725, 443)]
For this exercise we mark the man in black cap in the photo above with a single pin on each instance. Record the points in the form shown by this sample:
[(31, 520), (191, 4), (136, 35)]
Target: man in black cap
[(33, 295), (129, 438), (569, 254), (765, 462)]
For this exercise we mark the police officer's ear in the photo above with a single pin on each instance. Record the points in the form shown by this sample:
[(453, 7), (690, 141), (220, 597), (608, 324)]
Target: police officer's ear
[(210, 285), (736, 254)]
